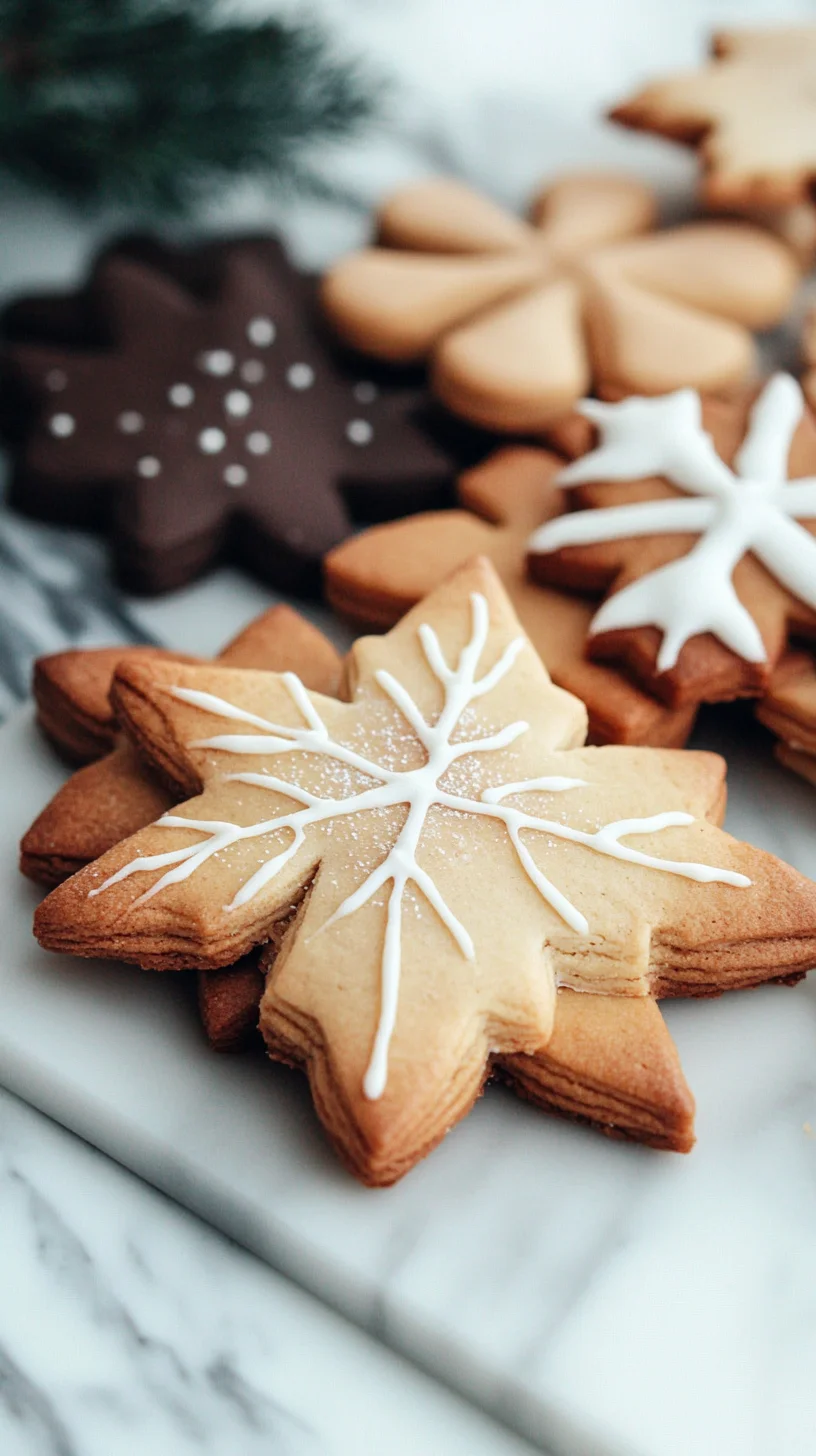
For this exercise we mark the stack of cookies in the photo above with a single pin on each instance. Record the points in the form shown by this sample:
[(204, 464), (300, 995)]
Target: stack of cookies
[(407, 879), (586, 516)]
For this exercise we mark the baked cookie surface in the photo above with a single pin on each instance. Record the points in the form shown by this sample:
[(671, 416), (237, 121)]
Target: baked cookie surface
[(698, 518), (750, 112), (445, 856), (189, 405), (519, 318), (378, 575)]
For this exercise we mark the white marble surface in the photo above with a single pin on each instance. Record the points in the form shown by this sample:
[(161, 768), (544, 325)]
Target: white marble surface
[(600, 1298), (128, 1326)]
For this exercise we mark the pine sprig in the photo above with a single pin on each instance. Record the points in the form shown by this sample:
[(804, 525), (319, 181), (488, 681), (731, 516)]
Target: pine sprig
[(156, 103)]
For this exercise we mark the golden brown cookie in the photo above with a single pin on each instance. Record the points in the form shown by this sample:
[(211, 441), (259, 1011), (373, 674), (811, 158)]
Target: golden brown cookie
[(610, 1061), (377, 576), (446, 856), (809, 357), (519, 319), (113, 797), (789, 710), (750, 113), (228, 1002), (799, 762), (705, 550), (789, 706), (71, 693)]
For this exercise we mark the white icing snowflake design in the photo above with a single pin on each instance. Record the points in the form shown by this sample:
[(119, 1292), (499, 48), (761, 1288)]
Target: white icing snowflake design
[(420, 789), (754, 507)]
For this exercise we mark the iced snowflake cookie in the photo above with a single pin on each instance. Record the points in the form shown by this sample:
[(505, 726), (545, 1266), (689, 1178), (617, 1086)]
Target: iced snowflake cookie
[(698, 518), (750, 112), (188, 404), (444, 855), (114, 794), (519, 319), (376, 576)]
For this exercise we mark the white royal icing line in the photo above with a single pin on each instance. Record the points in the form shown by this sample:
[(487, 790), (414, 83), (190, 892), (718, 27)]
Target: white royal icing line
[(753, 507), (419, 789)]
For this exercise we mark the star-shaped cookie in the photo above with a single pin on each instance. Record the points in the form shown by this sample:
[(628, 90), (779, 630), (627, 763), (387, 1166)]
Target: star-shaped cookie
[(613, 1065), (444, 855), (520, 318), (376, 576), (698, 518), (750, 112), (114, 794), (789, 710), (189, 404)]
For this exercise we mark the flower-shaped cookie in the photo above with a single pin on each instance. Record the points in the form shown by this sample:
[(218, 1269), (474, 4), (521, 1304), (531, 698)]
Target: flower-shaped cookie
[(520, 319), (751, 111)]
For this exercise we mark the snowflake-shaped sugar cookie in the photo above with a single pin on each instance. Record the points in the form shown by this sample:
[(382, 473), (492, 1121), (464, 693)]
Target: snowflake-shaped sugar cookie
[(447, 858), (751, 508)]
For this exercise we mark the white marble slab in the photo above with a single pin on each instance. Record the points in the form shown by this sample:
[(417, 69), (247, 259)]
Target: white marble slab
[(129, 1326), (603, 1300)]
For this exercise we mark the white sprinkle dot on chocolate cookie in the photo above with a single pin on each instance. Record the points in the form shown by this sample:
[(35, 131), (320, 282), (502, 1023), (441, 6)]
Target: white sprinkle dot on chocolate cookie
[(365, 392), (218, 362), (61, 426), (359, 432), (235, 475), (258, 443), (237, 403), (181, 395), (211, 441), (252, 371), (261, 332), (130, 422), (55, 380), (300, 376), (148, 467)]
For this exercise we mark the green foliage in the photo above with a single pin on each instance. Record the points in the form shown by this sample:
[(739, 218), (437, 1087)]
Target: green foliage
[(154, 103)]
